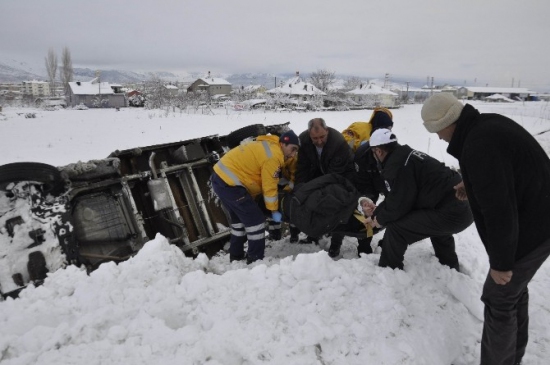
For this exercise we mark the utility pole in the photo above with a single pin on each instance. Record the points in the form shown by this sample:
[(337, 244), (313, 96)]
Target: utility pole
[(98, 75), (407, 95), (432, 87)]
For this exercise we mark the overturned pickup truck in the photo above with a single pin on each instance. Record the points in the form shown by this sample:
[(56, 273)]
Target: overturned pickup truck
[(106, 210)]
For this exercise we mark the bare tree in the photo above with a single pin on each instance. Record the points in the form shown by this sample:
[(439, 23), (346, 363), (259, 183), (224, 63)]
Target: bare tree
[(323, 79), (51, 68), (352, 83), (156, 94), (66, 69)]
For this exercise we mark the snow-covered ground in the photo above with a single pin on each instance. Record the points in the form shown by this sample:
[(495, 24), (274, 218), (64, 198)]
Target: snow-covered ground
[(298, 306)]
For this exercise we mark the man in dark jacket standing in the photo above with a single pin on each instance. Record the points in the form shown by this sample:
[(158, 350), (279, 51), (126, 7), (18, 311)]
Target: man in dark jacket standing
[(324, 150), (507, 182), (420, 202)]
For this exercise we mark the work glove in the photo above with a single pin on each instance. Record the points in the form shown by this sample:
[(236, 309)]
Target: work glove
[(276, 216)]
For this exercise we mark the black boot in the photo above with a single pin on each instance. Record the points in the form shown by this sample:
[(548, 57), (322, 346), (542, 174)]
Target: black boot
[(335, 244), (274, 235), (250, 260), (237, 257), (294, 232), (364, 246), (309, 239)]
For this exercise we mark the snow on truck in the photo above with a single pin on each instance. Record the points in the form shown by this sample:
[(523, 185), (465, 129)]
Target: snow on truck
[(88, 213)]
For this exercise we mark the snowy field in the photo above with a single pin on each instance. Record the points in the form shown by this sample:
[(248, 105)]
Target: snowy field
[(297, 306)]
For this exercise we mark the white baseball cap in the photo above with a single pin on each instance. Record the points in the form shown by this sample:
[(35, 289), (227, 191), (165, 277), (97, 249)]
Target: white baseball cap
[(382, 136)]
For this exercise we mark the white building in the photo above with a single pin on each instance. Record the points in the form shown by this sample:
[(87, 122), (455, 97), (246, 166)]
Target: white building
[(372, 95), (35, 88), (211, 85), (480, 93), (96, 94), (296, 87), (172, 90)]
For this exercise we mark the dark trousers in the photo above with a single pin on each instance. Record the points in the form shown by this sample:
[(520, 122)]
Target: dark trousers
[(247, 219), (505, 329), (354, 228), (438, 224)]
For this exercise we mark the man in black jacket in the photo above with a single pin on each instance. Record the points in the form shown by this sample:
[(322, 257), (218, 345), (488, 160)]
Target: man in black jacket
[(507, 182), (420, 203), (369, 183), (324, 150)]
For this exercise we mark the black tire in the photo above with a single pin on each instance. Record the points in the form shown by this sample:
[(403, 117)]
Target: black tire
[(234, 138), (49, 175)]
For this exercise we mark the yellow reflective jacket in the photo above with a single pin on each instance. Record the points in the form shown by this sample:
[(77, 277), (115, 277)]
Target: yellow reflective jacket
[(288, 172), (256, 166), (358, 132)]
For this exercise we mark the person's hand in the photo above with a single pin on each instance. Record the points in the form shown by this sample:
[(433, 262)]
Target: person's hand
[(501, 277), (376, 224), (460, 191), (276, 216), (368, 223)]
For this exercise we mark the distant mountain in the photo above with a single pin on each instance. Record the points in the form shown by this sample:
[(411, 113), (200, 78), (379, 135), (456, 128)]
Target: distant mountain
[(265, 79), (112, 76), (17, 72)]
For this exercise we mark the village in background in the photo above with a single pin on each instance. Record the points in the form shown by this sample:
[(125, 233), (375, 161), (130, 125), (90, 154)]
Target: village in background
[(321, 90)]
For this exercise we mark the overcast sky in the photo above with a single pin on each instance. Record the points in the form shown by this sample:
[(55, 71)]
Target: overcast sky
[(479, 42)]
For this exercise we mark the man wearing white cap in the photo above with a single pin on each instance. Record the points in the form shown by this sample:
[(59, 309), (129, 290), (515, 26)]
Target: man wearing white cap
[(420, 202), (507, 182)]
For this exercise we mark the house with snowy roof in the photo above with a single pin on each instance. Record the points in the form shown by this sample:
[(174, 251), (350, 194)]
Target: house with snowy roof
[(410, 93), (298, 88), (96, 94), (252, 89), (172, 90), (480, 93), (371, 95), (210, 85)]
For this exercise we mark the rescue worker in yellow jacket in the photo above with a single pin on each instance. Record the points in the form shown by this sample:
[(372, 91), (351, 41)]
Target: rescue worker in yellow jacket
[(286, 184), (241, 175), (358, 132)]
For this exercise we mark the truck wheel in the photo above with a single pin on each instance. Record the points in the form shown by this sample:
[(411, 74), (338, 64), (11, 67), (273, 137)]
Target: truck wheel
[(234, 138), (49, 175)]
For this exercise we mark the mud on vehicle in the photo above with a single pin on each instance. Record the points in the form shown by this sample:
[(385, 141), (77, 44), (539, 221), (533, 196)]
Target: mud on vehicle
[(106, 210)]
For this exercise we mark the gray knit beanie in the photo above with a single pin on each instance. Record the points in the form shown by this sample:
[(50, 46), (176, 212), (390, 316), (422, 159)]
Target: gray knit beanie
[(440, 111)]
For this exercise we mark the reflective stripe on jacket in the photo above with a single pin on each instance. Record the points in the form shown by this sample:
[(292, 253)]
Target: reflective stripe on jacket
[(256, 166)]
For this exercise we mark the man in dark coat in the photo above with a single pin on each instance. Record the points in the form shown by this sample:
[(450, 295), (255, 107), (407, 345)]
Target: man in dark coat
[(324, 150), (507, 182), (420, 203)]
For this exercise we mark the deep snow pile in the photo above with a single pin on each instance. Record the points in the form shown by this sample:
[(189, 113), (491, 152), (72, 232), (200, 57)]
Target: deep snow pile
[(162, 307), (297, 306)]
